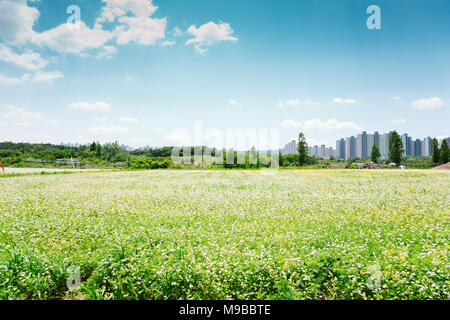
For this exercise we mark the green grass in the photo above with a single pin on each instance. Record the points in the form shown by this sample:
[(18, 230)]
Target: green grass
[(307, 234)]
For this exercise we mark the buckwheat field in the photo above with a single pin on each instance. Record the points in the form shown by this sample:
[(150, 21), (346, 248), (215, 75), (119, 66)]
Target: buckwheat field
[(307, 234)]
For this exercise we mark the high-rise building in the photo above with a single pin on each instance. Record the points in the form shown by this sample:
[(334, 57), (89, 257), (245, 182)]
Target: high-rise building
[(330, 152), (384, 145), (417, 148), (350, 151), (340, 149), (358, 145), (406, 141), (404, 137), (370, 143), (361, 145), (364, 145), (322, 151), (426, 147), (290, 148), (376, 138), (409, 143)]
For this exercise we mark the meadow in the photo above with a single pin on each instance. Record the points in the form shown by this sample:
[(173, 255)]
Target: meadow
[(298, 234)]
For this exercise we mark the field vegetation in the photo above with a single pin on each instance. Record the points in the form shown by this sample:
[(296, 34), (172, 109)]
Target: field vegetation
[(229, 234)]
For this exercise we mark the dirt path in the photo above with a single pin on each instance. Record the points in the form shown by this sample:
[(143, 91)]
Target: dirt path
[(39, 170)]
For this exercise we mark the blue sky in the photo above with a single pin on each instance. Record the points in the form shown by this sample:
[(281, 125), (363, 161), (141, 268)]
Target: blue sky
[(139, 71)]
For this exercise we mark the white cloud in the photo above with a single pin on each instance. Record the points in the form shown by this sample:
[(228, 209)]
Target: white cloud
[(178, 138), (344, 101), (16, 113), (200, 50), (44, 76), (22, 117), (331, 124), (159, 129), (167, 43), (129, 120), (17, 20), (136, 24), (296, 102), (36, 77), (395, 98), (7, 80), (108, 130), (430, 103), (86, 106), (108, 52), (398, 121), (67, 39), (293, 102), (28, 60), (119, 8), (142, 30), (312, 103), (177, 32), (290, 124), (101, 119), (233, 102), (209, 34)]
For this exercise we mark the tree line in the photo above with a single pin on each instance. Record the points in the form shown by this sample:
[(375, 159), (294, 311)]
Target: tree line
[(154, 158)]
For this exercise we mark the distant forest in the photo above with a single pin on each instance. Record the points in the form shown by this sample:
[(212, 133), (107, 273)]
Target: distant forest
[(95, 153)]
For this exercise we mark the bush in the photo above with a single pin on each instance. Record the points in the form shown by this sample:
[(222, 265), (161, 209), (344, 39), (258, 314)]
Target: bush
[(143, 163)]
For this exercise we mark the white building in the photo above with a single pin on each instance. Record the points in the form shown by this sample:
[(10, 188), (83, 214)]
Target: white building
[(384, 145), (370, 143), (426, 147), (350, 148), (290, 148)]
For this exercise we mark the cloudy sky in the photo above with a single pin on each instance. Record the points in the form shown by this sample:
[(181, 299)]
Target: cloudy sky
[(140, 71)]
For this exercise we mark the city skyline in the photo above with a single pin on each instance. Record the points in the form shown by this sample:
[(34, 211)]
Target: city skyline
[(360, 146)]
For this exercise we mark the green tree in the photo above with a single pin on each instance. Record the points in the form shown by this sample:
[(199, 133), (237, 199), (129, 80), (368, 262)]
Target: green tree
[(435, 147), (375, 155), (302, 149), (93, 147), (253, 158), (444, 152), (280, 159), (229, 159), (395, 148), (98, 149)]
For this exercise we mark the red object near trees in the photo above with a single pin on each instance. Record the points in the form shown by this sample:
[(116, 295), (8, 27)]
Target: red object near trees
[(1, 165)]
